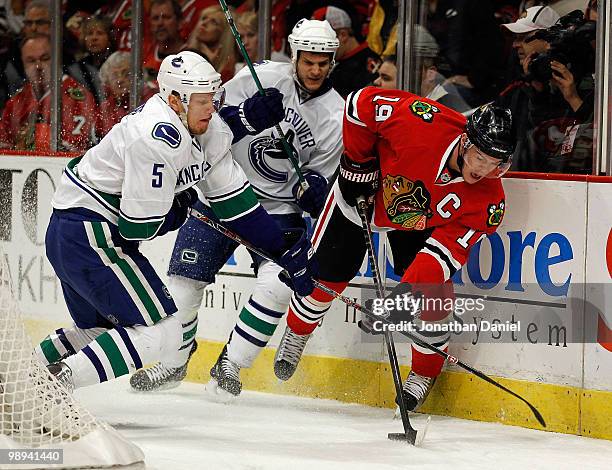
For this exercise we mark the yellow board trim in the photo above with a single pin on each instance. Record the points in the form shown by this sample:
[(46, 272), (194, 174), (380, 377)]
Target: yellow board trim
[(455, 394), (569, 410)]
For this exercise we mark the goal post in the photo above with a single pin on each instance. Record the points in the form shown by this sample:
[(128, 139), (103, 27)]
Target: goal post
[(41, 424)]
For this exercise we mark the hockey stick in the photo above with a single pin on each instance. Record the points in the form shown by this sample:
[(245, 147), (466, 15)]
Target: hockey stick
[(410, 434), (353, 303), (247, 59)]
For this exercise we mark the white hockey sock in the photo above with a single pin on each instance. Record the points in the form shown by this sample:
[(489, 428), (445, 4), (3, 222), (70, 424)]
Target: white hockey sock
[(188, 295), (122, 351), (259, 316), (65, 342)]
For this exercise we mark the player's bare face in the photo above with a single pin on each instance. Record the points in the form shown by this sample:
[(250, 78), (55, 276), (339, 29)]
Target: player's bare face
[(387, 76), (478, 165), (199, 113), (164, 25), (312, 69)]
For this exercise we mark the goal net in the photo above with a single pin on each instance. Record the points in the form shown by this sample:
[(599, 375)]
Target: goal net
[(38, 414)]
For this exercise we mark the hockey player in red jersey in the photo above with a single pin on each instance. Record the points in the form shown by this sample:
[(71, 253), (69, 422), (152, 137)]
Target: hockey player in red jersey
[(432, 180)]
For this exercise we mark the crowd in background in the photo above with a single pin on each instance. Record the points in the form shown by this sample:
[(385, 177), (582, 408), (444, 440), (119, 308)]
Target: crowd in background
[(527, 55)]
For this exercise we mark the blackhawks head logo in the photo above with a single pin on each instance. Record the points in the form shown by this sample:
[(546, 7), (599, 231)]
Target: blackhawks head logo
[(406, 202), (424, 110), (495, 214)]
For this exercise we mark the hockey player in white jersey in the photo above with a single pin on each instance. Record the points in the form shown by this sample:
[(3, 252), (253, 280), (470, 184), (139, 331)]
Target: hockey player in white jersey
[(312, 122), (137, 184)]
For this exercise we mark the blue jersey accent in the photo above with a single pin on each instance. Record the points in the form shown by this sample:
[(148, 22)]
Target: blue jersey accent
[(167, 133)]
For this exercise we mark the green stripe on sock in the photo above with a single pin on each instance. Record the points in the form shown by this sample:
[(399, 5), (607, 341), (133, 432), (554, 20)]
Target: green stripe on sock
[(110, 348), (235, 206), (257, 324), (49, 350), (127, 270), (190, 334)]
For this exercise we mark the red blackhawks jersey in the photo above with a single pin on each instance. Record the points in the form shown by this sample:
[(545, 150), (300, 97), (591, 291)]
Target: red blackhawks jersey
[(25, 123), (412, 138)]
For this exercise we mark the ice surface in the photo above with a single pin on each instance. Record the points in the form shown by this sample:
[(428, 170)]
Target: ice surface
[(181, 429)]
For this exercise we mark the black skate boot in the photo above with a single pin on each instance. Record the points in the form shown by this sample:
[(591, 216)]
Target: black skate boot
[(415, 390), (160, 377), (289, 353), (227, 374)]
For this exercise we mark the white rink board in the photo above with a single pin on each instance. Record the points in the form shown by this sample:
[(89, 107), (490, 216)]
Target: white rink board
[(552, 214), (597, 359)]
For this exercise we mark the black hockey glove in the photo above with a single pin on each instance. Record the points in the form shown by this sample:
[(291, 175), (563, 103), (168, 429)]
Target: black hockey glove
[(357, 179), (259, 113), (405, 306), (177, 214), (298, 263), (255, 114), (313, 199)]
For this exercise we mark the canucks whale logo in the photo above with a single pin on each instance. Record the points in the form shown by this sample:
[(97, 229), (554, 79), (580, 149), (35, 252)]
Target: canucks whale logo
[(264, 150)]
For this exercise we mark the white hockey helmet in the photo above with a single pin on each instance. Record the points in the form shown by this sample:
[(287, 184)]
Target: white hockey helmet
[(313, 36), (186, 73)]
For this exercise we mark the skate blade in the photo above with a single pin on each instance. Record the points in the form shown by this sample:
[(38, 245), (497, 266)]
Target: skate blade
[(217, 394), (167, 386)]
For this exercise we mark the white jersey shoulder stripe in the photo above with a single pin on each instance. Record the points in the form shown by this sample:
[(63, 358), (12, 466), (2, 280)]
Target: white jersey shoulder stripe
[(350, 109), (75, 180)]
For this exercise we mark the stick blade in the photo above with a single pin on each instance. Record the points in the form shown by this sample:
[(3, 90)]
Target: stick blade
[(409, 437)]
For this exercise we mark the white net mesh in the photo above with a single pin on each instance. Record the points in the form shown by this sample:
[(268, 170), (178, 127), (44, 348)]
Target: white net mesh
[(36, 410)]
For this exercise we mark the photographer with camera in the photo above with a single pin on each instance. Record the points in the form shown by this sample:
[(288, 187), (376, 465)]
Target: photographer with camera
[(553, 103)]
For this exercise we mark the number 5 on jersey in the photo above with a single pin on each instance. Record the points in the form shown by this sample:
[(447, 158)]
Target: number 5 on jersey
[(157, 180)]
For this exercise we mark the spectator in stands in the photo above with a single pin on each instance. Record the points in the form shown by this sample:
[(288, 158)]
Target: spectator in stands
[(190, 14), (592, 10), (431, 83), (471, 46), (553, 104), (247, 26), (387, 74), (37, 18), (213, 38), (115, 80), (164, 19), (12, 14), (382, 32), (10, 77), (25, 123), (356, 63), (96, 38)]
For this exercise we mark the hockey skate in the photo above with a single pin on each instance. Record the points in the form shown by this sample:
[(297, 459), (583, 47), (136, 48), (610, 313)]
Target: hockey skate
[(289, 353), (63, 374), (415, 390), (225, 378), (160, 377)]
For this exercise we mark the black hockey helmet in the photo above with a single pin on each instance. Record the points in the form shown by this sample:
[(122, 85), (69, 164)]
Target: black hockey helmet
[(490, 129)]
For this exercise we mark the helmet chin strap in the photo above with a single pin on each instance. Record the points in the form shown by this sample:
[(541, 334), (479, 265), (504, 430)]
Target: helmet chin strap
[(461, 152), (183, 118)]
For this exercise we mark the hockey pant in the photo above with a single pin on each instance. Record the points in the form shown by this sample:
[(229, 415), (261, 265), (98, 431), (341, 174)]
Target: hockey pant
[(340, 249), (122, 311)]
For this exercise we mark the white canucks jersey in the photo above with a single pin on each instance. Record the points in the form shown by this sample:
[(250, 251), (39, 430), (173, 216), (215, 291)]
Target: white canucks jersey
[(313, 128), (148, 157)]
